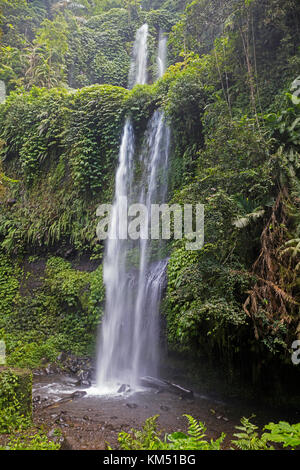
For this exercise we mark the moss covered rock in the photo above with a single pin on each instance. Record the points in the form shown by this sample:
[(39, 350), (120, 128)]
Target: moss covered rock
[(16, 390)]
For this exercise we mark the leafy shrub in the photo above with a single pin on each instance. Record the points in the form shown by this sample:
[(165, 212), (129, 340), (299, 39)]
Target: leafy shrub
[(284, 433), (248, 437), (11, 415), (29, 441), (149, 438)]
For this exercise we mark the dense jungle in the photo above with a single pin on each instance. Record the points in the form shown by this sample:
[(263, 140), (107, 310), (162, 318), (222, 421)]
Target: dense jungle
[(230, 312)]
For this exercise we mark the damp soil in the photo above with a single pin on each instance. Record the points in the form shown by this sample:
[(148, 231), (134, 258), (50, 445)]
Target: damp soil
[(89, 422)]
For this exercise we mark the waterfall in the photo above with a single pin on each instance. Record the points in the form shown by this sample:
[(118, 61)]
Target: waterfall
[(128, 346), (138, 67), (162, 55), (2, 92)]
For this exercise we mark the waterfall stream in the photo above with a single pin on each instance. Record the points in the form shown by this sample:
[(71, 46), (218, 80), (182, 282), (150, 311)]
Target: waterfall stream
[(129, 339)]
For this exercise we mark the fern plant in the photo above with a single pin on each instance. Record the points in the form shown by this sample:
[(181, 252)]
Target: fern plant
[(248, 438), (194, 439), (149, 438), (145, 439), (251, 212)]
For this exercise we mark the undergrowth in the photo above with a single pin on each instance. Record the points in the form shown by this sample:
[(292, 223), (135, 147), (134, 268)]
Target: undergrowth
[(247, 437)]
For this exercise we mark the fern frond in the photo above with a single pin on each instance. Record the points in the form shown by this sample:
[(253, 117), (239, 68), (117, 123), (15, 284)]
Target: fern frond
[(196, 429)]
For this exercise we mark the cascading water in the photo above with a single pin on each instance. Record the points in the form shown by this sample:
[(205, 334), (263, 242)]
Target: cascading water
[(128, 346), (138, 66), (162, 55)]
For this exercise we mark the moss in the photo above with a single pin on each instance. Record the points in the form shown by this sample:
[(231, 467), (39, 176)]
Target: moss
[(58, 309), (20, 390)]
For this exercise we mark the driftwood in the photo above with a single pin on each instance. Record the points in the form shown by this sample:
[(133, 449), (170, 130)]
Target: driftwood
[(68, 398), (165, 385)]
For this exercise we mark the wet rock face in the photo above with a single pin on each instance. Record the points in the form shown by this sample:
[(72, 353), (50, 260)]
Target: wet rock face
[(51, 369), (78, 394), (125, 388), (81, 367), (85, 377)]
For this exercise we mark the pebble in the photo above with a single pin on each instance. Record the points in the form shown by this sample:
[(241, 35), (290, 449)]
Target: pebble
[(164, 408)]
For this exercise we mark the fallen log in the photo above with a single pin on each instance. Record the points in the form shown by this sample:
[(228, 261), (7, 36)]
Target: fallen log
[(162, 385), (68, 398)]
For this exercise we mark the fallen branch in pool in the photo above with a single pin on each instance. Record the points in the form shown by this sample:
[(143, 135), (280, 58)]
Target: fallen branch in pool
[(165, 385)]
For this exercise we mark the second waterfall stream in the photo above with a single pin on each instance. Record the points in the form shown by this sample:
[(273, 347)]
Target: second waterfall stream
[(128, 346)]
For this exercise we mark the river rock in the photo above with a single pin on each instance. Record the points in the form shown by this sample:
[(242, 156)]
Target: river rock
[(61, 357), (78, 394), (125, 388), (164, 408), (52, 369), (83, 383)]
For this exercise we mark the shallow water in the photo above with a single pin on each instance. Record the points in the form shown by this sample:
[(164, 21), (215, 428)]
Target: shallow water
[(92, 421)]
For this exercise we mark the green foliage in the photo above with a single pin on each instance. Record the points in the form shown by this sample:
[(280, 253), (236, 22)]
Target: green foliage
[(185, 103), (149, 438), (235, 149), (61, 315), (194, 439), (206, 288), (100, 49), (29, 441), (140, 106), (286, 434), (31, 349), (88, 121), (248, 437), (95, 128), (10, 275), (70, 139), (146, 438), (202, 303), (285, 124), (15, 392), (78, 44), (46, 57), (11, 416), (66, 283), (12, 68), (234, 174), (81, 304), (34, 138)]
